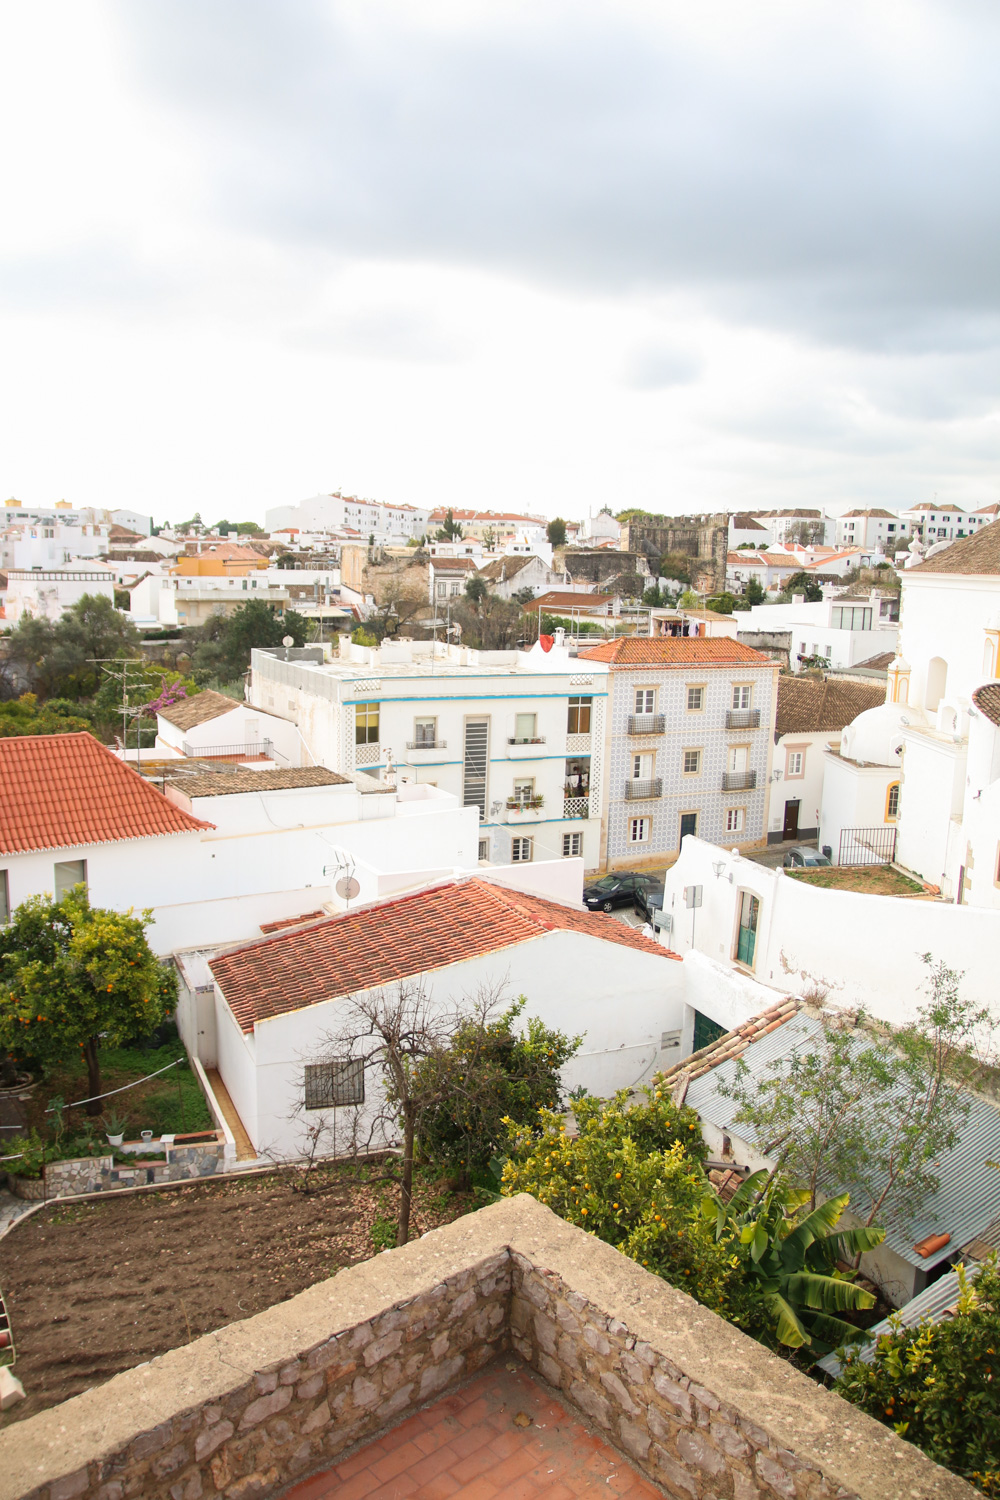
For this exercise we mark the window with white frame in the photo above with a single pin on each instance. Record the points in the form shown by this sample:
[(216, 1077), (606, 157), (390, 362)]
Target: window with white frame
[(331, 1085), (524, 729), (69, 873), (692, 762), (739, 757), (4, 898), (734, 819), (695, 699), (642, 767), (638, 830), (484, 848), (572, 845), (742, 694), (520, 851), (645, 700), (794, 763), (442, 590)]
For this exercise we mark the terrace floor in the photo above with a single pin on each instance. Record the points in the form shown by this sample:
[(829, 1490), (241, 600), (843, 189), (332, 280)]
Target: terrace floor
[(503, 1435)]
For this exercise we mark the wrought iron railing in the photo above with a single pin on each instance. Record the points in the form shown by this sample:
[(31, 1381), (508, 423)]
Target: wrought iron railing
[(743, 718), (867, 846), (647, 723), (641, 791), (427, 744), (246, 750), (531, 739), (739, 781)]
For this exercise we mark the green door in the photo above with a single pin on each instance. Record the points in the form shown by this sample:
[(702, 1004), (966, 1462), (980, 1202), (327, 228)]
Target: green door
[(747, 938)]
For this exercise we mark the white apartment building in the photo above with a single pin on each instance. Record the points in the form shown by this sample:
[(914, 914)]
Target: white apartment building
[(843, 633), (689, 742), (871, 529), (796, 525), (44, 593), (946, 523), (337, 512), (517, 735), (50, 541)]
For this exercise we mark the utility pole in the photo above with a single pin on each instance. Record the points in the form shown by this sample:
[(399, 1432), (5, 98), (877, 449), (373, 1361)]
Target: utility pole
[(123, 663)]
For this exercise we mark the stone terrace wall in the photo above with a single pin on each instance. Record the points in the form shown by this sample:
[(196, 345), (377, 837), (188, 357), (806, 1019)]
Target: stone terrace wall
[(244, 1412)]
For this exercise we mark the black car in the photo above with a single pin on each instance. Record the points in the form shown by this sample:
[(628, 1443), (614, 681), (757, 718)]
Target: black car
[(649, 899), (617, 890)]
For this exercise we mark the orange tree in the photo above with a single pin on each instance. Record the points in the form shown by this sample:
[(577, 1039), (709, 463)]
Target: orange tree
[(73, 976), (632, 1175)]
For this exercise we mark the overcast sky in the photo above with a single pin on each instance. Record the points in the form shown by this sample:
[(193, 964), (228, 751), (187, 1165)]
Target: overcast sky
[(539, 255)]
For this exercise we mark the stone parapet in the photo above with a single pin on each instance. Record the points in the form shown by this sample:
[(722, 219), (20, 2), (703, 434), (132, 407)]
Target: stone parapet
[(243, 1412)]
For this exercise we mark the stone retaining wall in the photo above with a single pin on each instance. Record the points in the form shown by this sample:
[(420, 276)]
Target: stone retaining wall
[(100, 1174), (242, 1413)]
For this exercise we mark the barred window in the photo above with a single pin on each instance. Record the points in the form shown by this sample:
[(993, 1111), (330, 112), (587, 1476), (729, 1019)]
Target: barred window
[(332, 1084)]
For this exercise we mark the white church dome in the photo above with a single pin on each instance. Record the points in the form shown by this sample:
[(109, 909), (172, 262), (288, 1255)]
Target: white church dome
[(875, 736)]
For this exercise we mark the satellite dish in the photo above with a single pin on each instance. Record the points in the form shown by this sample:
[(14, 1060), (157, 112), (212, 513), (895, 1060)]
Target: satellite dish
[(347, 887), (287, 640)]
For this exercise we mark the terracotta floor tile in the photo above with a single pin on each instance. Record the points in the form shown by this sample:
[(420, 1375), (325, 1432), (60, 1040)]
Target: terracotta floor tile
[(477, 1489), (441, 1487), (363, 1459), (472, 1440), (358, 1488), (474, 1413), (434, 1463), (312, 1489), (397, 1461), (400, 1487), (480, 1462)]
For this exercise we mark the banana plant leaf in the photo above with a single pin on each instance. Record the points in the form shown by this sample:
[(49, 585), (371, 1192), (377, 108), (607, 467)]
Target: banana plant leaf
[(789, 1330), (815, 1226), (828, 1293)]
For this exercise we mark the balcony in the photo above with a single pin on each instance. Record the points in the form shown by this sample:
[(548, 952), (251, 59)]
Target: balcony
[(526, 749), (739, 781), (647, 723), (367, 755), (247, 750), (743, 718), (644, 791), (524, 809), (424, 752), (427, 744), (576, 807)]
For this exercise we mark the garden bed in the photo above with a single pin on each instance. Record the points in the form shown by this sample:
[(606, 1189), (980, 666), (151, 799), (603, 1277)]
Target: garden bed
[(173, 1103), (94, 1288), (870, 880)]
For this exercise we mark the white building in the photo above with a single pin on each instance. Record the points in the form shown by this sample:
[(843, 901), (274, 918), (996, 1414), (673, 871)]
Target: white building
[(518, 735), (946, 523), (803, 526), (46, 593), (211, 725), (600, 528), (336, 512), (770, 569), (688, 744), (509, 574), (267, 1024), (812, 711), (51, 543), (842, 633), (871, 530)]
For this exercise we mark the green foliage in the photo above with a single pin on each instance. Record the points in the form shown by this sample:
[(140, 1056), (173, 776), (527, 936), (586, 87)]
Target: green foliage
[(476, 589), (523, 596), (676, 565), (791, 1259), (227, 641), (489, 1075), (73, 976), (633, 1177), (722, 603), (551, 623), (383, 1233), (362, 637), (633, 513), (244, 528), (802, 583), (658, 598), (450, 531), (754, 593), (59, 657), (24, 716), (556, 532), (690, 600), (939, 1385), (33, 1152)]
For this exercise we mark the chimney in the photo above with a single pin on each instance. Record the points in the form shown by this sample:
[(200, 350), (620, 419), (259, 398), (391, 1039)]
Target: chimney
[(798, 598)]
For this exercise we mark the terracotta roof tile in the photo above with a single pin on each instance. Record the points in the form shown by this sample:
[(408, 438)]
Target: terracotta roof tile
[(979, 553), (201, 782), (730, 1044), (393, 940), (199, 709), (64, 791), (556, 600), (806, 705), (987, 700), (676, 651)]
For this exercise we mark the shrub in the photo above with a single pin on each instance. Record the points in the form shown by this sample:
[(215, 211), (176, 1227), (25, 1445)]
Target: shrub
[(939, 1385), (633, 1177)]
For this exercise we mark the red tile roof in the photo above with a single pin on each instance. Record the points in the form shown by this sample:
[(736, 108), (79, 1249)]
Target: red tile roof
[(676, 651), (64, 791), (394, 940)]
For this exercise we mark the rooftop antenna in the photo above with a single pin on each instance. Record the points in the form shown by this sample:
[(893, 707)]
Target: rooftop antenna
[(342, 872), (123, 663)]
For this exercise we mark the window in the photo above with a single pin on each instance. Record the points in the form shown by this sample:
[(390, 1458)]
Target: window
[(578, 718), (454, 589), (802, 648), (524, 728), (638, 830), (520, 851), (692, 762), (577, 781), (739, 757), (892, 803), (742, 693), (424, 732), (793, 764), (366, 723), (746, 933), (333, 1084), (442, 590), (642, 767), (848, 617), (734, 819), (695, 699), (524, 790), (484, 849), (645, 700), (4, 898), (69, 873), (689, 824), (572, 845)]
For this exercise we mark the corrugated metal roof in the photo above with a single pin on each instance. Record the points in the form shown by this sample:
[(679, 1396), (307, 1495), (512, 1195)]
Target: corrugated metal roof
[(929, 1307), (967, 1200)]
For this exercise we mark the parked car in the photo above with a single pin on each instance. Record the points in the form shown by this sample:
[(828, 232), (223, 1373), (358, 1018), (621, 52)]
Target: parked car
[(802, 857), (617, 890), (649, 899)]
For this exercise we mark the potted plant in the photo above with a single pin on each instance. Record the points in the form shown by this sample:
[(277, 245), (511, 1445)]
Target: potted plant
[(114, 1125)]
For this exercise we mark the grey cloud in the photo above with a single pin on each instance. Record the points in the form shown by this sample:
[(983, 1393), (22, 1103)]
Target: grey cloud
[(812, 183)]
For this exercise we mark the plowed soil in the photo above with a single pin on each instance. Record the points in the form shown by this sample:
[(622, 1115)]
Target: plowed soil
[(94, 1288)]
